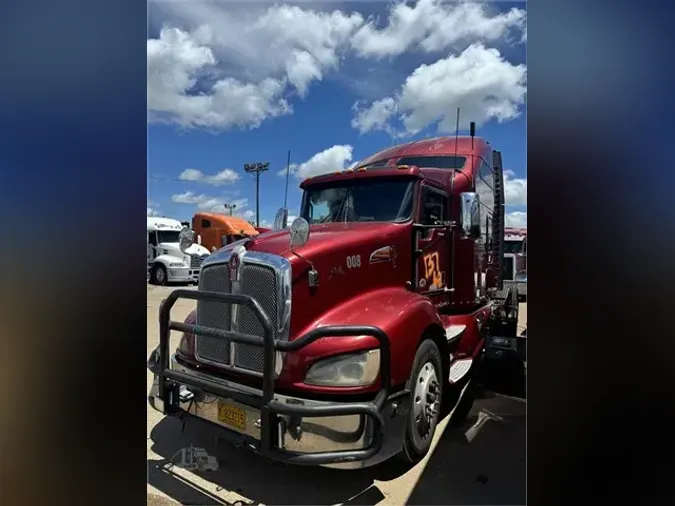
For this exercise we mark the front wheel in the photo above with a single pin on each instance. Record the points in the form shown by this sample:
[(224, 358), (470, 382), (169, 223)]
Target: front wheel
[(426, 388), (158, 275)]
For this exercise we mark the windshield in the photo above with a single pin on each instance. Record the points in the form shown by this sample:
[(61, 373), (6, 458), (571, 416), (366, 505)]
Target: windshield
[(359, 200), (167, 236), (513, 247)]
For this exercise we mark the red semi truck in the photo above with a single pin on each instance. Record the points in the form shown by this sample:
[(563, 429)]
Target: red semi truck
[(335, 342)]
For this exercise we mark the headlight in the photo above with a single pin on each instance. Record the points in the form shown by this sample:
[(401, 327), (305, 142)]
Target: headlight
[(153, 361), (352, 370), (183, 348), (177, 264)]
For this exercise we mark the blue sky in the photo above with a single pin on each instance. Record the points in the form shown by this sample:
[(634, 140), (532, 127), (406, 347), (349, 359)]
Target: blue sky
[(231, 83)]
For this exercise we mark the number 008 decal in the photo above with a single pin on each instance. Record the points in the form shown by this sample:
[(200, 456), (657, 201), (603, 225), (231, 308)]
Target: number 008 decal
[(353, 261)]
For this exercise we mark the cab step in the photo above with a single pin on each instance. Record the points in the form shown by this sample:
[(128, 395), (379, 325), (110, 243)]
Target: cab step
[(459, 369)]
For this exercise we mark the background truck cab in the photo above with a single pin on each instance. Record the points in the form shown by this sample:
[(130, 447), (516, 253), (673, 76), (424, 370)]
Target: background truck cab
[(335, 342), (166, 262), (218, 230), (514, 272)]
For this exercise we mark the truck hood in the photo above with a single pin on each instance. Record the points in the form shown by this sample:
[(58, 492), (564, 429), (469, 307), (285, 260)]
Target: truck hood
[(323, 238), (195, 249)]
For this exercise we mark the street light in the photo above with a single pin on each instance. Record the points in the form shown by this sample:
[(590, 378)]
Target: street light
[(231, 207), (256, 169)]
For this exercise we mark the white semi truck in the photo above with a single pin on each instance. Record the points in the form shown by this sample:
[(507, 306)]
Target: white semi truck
[(167, 263)]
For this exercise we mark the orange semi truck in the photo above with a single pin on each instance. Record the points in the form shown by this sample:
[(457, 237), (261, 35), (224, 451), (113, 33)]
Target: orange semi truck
[(217, 230)]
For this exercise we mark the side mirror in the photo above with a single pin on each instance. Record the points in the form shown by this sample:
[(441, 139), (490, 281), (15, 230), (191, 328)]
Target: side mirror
[(186, 239), (281, 219), (299, 232), (469, 215)]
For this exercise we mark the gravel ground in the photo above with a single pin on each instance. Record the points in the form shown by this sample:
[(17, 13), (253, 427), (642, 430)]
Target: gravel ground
[(490, 469)]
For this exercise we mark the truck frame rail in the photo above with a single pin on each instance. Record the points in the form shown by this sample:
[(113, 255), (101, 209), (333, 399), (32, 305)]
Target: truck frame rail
[(169, 380)]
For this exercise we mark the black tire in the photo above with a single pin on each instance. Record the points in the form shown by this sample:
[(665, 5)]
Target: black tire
[(158, 275), (415, 446)]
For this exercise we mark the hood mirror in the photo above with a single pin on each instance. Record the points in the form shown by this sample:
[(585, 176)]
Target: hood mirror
[(299, 232), (281, 219), (469, 215), (186, 239), (299, 237)]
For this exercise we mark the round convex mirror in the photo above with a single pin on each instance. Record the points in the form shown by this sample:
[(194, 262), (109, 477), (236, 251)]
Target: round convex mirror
[(299, 232), (186, 239)]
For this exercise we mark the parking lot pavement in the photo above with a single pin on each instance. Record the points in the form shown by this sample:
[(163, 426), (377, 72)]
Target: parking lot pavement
[(480, 461)]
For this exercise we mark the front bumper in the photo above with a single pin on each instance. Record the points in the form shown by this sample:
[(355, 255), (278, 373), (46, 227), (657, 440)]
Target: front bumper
[(182, 275), (287, 429)]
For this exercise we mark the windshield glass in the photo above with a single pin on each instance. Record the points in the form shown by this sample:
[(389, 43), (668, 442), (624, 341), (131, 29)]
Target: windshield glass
[(359, 200), (167, 236), (513, 247)]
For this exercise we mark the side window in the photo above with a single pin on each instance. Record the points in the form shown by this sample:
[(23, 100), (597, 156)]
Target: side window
[(205, 223), (433, 207), (152, 238), (485, 190)]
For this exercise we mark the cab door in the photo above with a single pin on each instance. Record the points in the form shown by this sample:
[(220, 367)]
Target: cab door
[(152, 243), (433, 241)]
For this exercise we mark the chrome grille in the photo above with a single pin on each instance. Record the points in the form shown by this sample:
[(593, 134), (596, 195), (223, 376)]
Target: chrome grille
[(256, 280), (196, 262), (259, 282), (216, 315)]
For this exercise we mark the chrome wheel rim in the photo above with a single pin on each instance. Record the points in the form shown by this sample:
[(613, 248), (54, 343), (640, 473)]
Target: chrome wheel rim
[(426, 400)]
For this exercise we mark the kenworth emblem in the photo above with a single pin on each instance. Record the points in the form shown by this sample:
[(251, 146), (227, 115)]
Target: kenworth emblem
[(234, 266)]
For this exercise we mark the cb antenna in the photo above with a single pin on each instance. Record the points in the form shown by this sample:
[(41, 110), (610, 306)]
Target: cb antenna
[(288, 170)]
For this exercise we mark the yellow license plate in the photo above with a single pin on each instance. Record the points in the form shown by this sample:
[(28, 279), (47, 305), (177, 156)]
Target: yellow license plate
[(231, 415)]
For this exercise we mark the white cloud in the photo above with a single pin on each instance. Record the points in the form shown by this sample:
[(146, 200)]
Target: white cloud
[(328, 160), (175, 64), (291, 219), (375, 117), (221, 65), (225, 176), (479, 81), (517, 219), (212, 204), (247, 215), (288, 43), (434, 25), (515, 189), (152, 211)]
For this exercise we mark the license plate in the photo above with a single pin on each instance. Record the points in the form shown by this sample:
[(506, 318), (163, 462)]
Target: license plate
[(231, 415)]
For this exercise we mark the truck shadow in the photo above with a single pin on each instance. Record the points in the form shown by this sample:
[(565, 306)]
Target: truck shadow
[(476, 463), (488, 470), (256, 478)]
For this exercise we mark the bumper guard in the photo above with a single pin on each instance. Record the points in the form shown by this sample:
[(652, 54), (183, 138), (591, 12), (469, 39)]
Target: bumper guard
[(169, 380)]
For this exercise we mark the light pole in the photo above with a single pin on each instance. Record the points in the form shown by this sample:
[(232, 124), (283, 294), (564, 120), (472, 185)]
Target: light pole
[(256, 169), (231, 207)]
